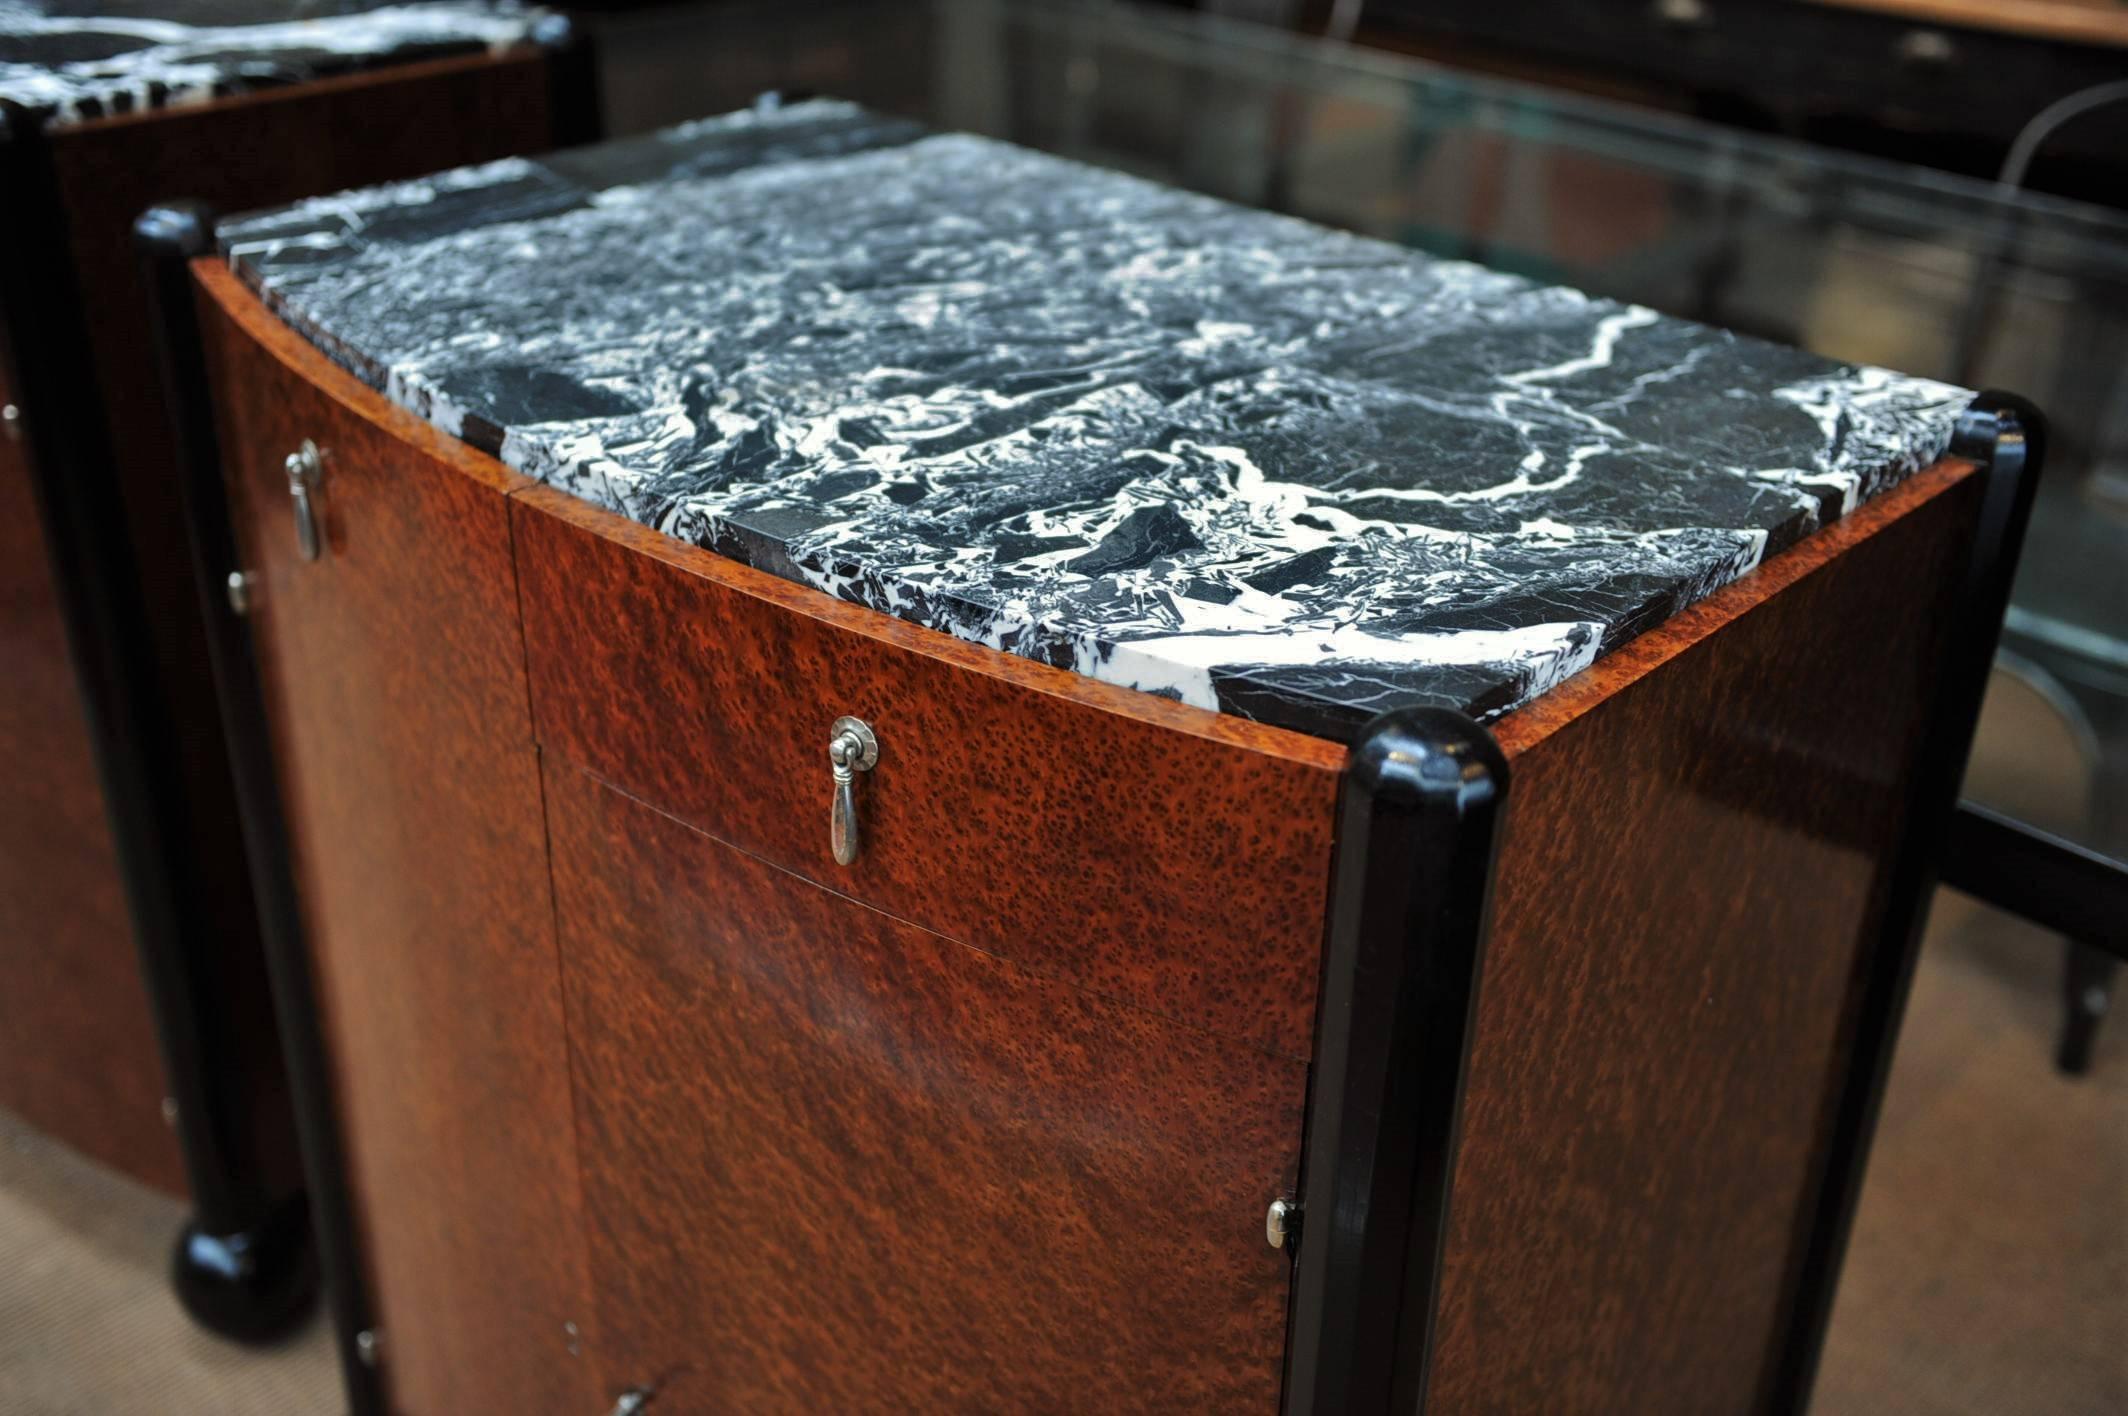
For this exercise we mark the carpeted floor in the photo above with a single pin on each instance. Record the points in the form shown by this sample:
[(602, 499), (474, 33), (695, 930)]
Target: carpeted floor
[(1989, 1268), (1989, 1275), (87, 1323)]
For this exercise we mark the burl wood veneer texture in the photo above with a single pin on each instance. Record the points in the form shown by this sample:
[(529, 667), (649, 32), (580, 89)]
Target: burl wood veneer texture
[(1148, 852), (835, 1162), (394, 682), (1690, 878)]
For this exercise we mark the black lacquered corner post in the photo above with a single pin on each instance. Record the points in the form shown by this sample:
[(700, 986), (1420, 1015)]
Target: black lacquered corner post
[(1418, 820), (169, 237), (2006, 436)]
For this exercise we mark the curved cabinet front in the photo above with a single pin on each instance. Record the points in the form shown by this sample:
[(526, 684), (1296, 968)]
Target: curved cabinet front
[(985, 1119)]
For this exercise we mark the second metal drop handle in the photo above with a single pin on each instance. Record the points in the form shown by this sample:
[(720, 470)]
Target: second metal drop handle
[(852, 748), (303, 466)]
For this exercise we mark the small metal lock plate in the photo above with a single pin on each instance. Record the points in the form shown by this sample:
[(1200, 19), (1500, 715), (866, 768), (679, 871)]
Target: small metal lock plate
[(852, 748)]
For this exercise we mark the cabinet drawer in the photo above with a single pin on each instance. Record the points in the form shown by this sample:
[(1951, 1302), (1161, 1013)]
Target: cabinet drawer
[(1146, 851), (834, 1162)]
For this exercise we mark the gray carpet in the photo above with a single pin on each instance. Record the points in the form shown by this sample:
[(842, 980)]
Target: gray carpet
[(1989, 1269), (1989, 1274), (87, 1324)]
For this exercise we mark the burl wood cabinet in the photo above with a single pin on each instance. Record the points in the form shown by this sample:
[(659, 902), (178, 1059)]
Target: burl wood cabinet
[(134, 1018), (740, 997)]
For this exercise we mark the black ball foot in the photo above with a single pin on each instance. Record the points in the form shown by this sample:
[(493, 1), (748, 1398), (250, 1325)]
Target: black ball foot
[(253, 1285)]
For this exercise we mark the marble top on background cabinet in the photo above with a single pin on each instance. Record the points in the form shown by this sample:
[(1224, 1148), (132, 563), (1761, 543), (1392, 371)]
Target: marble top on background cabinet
[(64, 61), (1175, 444)]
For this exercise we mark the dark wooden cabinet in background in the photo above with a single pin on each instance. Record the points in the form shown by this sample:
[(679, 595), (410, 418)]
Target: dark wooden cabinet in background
[(643, 1091), (126, 907), (77, 1043)]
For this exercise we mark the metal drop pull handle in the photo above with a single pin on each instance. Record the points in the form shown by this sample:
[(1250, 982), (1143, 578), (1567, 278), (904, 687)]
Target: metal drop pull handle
[(305, 466), (852, 748)]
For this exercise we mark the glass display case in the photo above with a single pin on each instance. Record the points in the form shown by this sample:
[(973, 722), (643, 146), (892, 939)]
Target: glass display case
[(1850, 257)]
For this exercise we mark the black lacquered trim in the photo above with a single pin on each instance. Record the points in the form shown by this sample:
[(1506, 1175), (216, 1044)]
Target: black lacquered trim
[(2006, 435), (1418, 820), (169, 237)]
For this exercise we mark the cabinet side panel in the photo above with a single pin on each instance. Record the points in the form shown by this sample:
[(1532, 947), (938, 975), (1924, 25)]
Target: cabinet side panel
[(834, 1162), (1692, 875), (394, 682), (78, 1055)]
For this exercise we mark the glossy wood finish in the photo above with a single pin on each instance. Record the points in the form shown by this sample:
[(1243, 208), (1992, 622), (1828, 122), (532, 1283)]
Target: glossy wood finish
[(394, 679), (1164, 856), (88, 1068), (78, 1056), (1692, 876), (833, 1162)]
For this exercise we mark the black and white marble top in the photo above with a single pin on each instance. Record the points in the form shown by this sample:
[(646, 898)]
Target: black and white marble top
[(63, 61), (1224, 456)]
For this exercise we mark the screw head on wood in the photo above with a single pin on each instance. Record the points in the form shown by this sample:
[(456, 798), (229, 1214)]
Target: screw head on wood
[(1280, 1221)]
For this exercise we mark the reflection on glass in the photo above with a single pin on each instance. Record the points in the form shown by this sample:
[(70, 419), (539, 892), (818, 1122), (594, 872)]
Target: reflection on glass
[(1851, 257)]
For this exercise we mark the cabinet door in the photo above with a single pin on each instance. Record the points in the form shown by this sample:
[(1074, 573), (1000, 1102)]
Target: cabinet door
[(835, 1162), (394, 682)]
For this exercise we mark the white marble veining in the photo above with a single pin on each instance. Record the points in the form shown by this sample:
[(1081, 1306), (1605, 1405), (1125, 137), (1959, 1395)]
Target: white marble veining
[(1225, 456), (62, 62)]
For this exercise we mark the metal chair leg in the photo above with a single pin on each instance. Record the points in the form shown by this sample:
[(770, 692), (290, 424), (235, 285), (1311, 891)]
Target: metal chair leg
[(2087, 986)]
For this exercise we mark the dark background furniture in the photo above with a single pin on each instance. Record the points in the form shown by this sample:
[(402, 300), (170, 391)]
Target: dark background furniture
[(1948, 86), (134, 1006)]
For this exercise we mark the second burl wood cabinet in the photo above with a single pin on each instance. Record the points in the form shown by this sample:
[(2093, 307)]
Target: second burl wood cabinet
[(740, 998), (134, 1025)]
